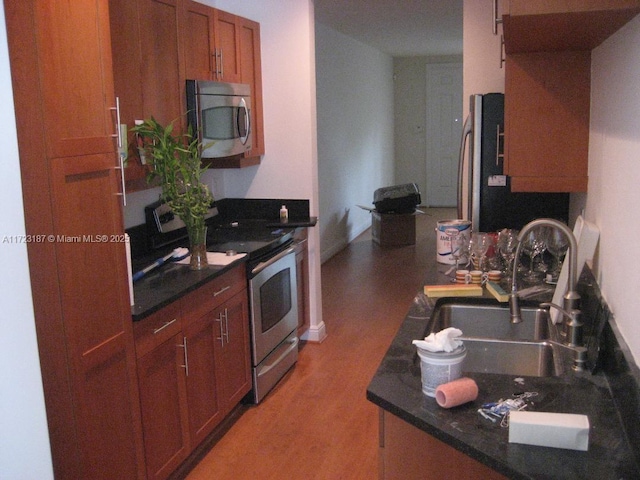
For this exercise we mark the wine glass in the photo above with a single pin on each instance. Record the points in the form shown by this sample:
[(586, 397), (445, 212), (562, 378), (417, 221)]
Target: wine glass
[(480, 243), (459, 249), (507, 244), (533, 245), (557, 245)]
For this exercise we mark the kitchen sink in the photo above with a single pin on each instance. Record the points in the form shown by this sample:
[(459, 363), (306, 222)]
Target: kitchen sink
[(479, 319), (493, 343)]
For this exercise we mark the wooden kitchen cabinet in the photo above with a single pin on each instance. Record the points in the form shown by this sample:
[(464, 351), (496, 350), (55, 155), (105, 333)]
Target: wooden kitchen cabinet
[(61, 72), (408, 453), (148, 69), (551, 25), (215, 327), (547, 88), (212, 49), (547, 100), (233, 357), (194, 367)]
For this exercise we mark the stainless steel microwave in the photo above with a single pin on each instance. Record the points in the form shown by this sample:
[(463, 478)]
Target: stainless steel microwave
[(221, 114)]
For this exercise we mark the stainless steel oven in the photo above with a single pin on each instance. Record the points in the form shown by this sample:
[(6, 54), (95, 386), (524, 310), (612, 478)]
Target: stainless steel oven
[(274, 319)]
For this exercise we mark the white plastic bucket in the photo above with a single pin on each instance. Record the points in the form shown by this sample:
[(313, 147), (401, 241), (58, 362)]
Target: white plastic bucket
[(445, 229), (440, 367)]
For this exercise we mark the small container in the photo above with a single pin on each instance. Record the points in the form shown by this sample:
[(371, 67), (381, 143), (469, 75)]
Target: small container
[(440, 367), (284, 214)]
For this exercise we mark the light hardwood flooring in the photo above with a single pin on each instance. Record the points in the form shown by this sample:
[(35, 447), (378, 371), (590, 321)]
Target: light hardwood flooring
[(317, 422)]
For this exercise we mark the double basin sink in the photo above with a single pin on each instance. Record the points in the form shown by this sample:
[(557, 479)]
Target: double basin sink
[(494, 344)]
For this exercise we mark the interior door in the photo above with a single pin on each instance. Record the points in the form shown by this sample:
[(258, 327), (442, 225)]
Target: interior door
[(444, 126)]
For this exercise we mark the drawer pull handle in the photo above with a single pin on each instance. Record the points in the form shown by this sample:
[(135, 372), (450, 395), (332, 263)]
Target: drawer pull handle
[(166, 324), (222, 290)]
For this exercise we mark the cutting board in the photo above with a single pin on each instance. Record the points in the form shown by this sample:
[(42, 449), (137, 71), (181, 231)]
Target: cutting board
[(587, 235)]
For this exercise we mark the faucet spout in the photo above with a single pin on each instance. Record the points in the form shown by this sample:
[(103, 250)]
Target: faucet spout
[(571, 300)]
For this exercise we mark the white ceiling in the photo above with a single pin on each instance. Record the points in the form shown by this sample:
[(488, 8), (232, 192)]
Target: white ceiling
[(397, 27)]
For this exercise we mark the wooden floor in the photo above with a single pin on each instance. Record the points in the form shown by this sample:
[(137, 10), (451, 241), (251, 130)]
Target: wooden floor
[(317, 423)]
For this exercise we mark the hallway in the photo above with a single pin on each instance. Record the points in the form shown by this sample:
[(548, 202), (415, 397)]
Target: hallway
[(317, 423)]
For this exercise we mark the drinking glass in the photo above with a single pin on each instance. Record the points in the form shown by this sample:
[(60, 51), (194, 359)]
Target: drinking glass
[(459, 249), (480, 243), (533, 245), (507, 243), (557, 245)]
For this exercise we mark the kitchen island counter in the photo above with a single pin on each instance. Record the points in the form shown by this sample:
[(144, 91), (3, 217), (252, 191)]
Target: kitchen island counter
[(396, 388)]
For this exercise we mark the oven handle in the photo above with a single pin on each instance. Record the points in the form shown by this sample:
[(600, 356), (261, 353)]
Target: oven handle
[(262, 265), (293, 343)]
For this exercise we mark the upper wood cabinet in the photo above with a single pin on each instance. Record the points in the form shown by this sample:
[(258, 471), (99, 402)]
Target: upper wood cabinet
[(547, 121), (552, 25), (148, 69), (212, 44), (548, 47)]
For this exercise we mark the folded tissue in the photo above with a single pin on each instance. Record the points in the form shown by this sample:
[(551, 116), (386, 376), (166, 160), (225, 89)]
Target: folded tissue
[(443, 341)]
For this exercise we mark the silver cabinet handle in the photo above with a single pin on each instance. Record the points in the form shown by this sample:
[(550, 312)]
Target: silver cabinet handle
[(226, 325), (186, 356), (120, 157), (496, 17), (221, 337), (221, 65), (166, 324), (221, 291)]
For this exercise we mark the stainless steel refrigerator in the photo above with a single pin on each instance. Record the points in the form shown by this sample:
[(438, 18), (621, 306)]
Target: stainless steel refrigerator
[(489, 204)]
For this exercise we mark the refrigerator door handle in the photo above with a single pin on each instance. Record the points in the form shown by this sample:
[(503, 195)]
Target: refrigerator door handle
[(466, 131)]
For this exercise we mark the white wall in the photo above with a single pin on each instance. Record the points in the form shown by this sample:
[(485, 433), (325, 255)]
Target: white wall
[(24, 437), (355, 134), (614, 170), (481, 51)]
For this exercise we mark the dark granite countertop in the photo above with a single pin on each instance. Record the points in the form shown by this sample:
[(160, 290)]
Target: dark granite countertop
[(396, 387), (168, 283)]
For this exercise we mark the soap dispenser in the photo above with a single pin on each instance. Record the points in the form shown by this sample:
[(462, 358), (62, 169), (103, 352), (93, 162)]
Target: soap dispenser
[(284, 214)]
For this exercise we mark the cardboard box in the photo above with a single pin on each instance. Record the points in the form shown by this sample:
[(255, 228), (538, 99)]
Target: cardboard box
[(393, 229)]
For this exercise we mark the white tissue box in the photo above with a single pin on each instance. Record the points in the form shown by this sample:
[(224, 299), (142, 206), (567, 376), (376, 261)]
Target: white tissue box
[(557, 430)]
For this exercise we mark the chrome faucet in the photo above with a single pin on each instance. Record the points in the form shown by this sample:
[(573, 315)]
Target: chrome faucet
[(571, 300)]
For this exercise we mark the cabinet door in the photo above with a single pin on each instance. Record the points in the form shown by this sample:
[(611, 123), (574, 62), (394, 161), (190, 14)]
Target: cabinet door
[(232, 355), (200, 51), (202, 337), (547, 121), (149, 75), (227, 40), (73, 45), (82, 307), (252, 74), (161, 376)]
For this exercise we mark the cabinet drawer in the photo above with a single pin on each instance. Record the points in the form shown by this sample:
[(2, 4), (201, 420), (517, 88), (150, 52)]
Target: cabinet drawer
[(213, 294), (157, 328)]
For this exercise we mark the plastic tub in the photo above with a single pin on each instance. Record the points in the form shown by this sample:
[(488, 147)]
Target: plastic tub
[(440, 367)]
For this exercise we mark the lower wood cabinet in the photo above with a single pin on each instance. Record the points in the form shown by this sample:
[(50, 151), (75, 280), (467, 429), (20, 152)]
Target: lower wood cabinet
[(408, 453), (194, 367)]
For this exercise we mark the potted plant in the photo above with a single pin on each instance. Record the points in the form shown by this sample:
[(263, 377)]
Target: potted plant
[(177, 164)]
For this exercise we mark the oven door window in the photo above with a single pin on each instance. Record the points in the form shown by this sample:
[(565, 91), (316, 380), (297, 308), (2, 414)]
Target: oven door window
[(275, 299)]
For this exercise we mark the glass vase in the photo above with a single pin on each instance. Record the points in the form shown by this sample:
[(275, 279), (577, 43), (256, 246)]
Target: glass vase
[(198, 247)]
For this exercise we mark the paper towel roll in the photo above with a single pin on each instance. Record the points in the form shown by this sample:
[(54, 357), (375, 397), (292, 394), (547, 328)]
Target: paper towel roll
[(457, 392)]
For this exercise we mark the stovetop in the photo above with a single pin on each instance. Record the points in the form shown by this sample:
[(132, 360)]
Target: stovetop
[(253, 237)]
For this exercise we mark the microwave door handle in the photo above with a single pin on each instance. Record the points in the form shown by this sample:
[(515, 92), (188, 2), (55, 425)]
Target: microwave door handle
[(243, 106)]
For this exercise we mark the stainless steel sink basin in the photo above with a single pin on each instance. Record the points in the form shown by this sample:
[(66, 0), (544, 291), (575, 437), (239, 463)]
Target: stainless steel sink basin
[(480, 319), (535, 359), (493, 343)]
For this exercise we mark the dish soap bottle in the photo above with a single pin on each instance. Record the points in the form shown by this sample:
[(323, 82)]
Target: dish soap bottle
[(284, 214)]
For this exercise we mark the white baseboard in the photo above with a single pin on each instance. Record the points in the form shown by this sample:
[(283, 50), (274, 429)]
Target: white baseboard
[(316, 333)]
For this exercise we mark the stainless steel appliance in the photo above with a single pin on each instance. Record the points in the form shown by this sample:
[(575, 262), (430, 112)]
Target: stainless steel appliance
[(490, 205), (274, 319), (221, 114)]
